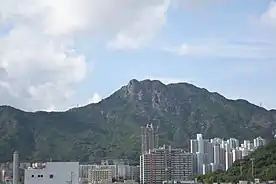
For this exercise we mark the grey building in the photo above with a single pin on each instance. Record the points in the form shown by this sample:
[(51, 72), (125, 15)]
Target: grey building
[(165, 164), (149, 138)]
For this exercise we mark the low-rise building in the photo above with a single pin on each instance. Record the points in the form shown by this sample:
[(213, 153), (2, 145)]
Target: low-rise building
[(52, 172), (100, 175)]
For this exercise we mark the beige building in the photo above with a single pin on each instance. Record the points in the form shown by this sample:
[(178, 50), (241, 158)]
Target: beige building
[(100, 175), (126, 172), (84, 170)]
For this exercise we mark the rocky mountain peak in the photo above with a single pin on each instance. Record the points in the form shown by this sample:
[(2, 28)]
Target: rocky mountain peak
[(112, 128)]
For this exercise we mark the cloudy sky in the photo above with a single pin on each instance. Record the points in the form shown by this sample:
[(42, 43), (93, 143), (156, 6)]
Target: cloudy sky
[(58, 54)]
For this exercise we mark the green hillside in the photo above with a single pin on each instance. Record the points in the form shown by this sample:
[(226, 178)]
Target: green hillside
[(263, 161), (111, 128)]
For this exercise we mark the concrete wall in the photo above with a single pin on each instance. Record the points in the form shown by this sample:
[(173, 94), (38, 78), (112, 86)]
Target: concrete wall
[(61, 172)]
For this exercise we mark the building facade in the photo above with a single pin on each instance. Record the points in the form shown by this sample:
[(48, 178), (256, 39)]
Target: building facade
[(53, 172), (165, 164), (99, 175), (259, 142), (85, 169), (219, 154), (149, 138)]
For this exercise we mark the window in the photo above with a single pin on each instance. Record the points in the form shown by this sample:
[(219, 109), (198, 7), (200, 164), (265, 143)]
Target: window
[(38, 176), (51, 176), (41, 176), (32, 176)]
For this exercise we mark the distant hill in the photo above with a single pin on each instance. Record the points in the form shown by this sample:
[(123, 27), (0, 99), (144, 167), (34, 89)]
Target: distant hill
[(111, 128), (264, 164)]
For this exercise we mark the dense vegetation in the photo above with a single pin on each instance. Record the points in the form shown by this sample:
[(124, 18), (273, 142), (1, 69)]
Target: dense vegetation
[(264, 167), (111, 128)]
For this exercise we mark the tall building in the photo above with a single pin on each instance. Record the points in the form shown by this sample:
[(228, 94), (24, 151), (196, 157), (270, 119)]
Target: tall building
[(259, 142), (203, 151), (246, 144), (199, 159), (229, 160), (206, 169), (222, 159), (193, 146), (210, 153), (233, 143), (200, 143), (200, 153), (237, 154), (181, 165), (218, 154), (194, 160), (149, 138), (15, 168), (216, 141), (165, 164)]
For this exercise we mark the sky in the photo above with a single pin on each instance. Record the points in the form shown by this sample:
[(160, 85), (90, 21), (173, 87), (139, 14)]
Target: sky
[(59, 54)]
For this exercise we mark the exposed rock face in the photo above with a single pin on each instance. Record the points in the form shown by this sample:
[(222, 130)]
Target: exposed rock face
[(111, 128)]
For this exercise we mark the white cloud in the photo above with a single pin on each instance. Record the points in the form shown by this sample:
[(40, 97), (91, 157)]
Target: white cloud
[(261, 47), (243, 50), (149, 21), (39, 71), (269, 17), (39, 66), (124, 19), (96, 98), (197, 4)]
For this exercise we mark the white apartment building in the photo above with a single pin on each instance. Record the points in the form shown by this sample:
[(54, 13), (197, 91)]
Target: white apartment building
[(216, 154), (219, 154), (216, 141), (233, 143), (52, 173), (200, 159), (228, 160), (247, 144), (237, 154), (193, 146), (259, 142)]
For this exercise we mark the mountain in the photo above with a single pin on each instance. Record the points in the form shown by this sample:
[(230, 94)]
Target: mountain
[(111, 128), (264, 167)]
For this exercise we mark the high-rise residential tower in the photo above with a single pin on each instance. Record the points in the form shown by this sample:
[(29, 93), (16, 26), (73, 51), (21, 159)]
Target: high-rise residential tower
[(259, 142), (149, 138), (193, 146), (15, 168), (165, 164), (200, 143), (233, 143)]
